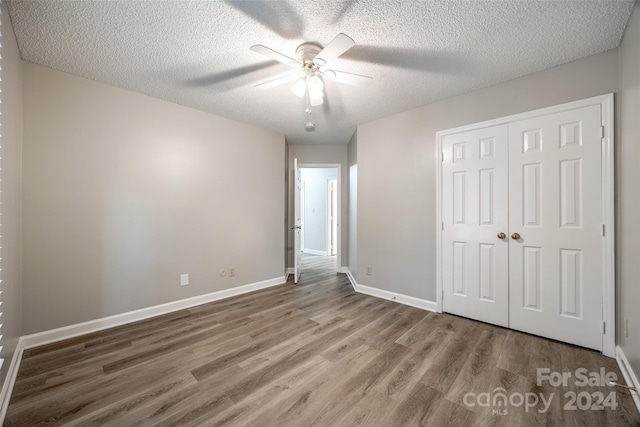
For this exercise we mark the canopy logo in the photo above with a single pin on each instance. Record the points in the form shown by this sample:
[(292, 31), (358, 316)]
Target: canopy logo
[(500, 401)]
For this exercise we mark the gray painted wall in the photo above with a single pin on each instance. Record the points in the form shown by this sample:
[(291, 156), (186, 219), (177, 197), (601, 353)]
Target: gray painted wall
[(628, 192), (11, 191), (316, 207), (397, 168), (124, 192), (313, 154)]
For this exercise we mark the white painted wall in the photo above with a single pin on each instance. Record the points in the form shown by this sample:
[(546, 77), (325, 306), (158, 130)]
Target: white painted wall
[(316, 208), (124, 192), (628, 193), (314, 154), (11, 195), (396, 223)]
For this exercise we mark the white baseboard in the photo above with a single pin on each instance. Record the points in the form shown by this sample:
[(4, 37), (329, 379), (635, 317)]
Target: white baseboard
[(352, 279), (314, 252), (629, 376), (71, 331), (402, 299), (393, 296), (288, 273), (10, 380), (344, 270)]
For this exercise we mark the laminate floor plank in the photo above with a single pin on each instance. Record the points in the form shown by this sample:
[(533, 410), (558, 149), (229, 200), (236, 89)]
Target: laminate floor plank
[(345, 309), (412, 368), (319, 392), (425, 406), (447, 362), (35, 368), (516, 353), (256, 408), (67, 404), (239, 355), (343, 348), (420, 330), (261, 377), (303, 299), (167, 408), (157, 349), (388, 336), (371, 410), (141, 326), (311, 354), (117, 412), (479, 371), (358, 386)]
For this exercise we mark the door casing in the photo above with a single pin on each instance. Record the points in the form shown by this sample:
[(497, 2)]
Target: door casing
[(606, 102)]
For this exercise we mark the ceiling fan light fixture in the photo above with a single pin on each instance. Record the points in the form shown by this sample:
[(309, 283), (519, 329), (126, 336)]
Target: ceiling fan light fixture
[(300, 88), (311, 58), (316, 101), (315, 86)]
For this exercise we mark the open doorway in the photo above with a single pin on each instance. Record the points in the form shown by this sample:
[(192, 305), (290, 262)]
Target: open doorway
[(319, 217)]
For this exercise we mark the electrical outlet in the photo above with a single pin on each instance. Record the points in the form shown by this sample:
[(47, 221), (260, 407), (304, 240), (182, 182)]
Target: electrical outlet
[(626, 327), (232, 271), (369, 270), (184, 279)]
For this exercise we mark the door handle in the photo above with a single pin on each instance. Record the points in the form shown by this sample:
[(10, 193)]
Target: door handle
[(296, 227), (501, 235), (515, 236)]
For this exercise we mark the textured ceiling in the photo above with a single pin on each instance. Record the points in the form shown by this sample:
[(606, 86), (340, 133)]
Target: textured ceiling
[(197, 53)]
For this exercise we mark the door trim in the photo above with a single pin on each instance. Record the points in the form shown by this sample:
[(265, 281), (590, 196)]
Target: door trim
[(331, 218), (608, 204)]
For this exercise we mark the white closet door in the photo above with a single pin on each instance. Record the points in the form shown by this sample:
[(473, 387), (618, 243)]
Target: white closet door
[(555, 205), (475, 191)]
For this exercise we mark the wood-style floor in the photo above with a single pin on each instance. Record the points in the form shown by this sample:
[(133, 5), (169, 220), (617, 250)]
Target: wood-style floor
[(313, 354)]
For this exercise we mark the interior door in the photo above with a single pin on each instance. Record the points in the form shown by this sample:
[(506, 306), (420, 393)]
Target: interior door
[(475, 219), (555, 207), (297, 226)]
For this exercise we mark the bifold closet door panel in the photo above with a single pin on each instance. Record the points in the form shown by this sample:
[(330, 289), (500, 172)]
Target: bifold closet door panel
[(555, 205), (474, 208)]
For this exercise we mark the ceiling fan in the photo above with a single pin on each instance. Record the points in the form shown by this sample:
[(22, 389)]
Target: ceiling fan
[(311, 68)]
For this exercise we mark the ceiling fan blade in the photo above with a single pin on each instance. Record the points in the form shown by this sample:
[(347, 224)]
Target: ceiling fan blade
[(348, 78), (279, 80), (336, 47), (232, 74), (270, 53)]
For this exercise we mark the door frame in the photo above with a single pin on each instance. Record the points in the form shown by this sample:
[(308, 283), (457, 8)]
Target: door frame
[(606, 103), (302, 202), (331, 218), (339, 267)]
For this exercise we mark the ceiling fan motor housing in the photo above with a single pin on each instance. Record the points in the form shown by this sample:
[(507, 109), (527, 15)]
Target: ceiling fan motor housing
[(306, 52)]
